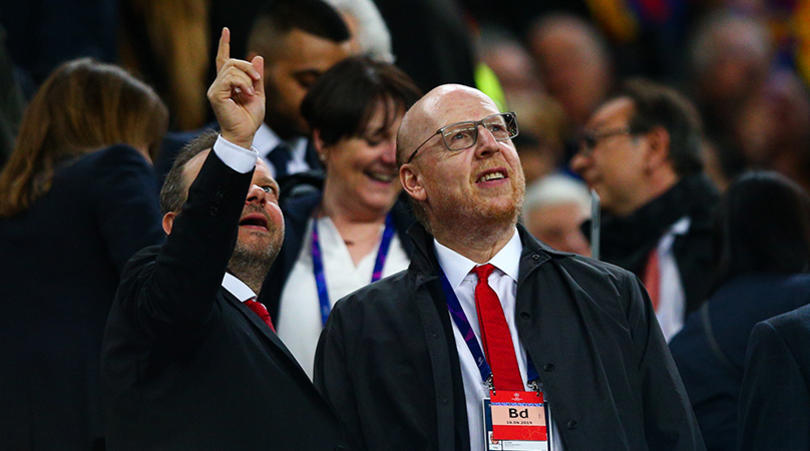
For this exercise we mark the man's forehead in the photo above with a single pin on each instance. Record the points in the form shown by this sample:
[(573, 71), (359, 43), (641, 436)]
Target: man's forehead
[(456, 103), (262, 172), (306, 50), (612, 112), (442, 106)]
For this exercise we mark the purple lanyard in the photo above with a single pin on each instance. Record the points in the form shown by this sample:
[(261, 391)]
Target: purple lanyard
[(320, 275), (463, 324)]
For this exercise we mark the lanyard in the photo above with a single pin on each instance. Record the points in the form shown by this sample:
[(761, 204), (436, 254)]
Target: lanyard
[(320, 275), (463, 324)]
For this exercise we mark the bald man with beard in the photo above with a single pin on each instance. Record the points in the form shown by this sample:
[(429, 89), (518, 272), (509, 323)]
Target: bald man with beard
[(484, 308)]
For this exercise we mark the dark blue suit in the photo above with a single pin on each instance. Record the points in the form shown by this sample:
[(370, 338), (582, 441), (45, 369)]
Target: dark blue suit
[(713, 378), (61, 263), (185, 365), (775, 395)]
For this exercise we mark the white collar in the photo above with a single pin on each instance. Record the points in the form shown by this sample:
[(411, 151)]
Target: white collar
[(237, 288), (265, 140), (456, 266)]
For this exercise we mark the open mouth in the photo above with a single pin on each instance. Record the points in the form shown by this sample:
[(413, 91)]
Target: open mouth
[(381, 177), (254, 221), (491, 175)]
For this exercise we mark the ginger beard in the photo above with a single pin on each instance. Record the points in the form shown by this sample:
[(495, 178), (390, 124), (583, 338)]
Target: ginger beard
[(478, 207)]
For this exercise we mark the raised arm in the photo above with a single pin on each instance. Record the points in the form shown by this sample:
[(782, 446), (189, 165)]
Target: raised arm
[(178, 289)]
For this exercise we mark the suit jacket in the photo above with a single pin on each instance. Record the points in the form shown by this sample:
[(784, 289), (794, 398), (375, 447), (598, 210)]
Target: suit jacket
[(187, 366), (60, 263), (627, 241), (387, 359), (775, 396), (710, 350), (297, 211)]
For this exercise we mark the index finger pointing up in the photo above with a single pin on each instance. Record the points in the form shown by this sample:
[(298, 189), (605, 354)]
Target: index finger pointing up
[(224, 49)]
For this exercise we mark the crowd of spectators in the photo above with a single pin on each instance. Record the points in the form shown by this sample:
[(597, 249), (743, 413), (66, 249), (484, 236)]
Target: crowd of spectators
[(670, 138)]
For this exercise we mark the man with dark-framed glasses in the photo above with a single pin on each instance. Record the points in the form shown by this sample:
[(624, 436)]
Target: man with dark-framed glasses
[(491, 339), (640, 151)]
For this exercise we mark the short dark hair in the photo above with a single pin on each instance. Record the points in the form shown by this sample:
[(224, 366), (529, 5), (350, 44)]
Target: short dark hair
[(174, 191), (341, 103), (763, 225), (655, 105), (278, 17)]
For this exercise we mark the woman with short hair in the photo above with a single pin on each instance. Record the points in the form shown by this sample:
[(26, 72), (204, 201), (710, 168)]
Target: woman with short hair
[(349, 233)]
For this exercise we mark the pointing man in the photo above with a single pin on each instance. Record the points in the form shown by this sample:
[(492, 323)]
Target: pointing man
[(190, 360)]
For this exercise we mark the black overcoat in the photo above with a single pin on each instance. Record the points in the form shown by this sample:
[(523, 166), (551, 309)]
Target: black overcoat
[(388, 362)]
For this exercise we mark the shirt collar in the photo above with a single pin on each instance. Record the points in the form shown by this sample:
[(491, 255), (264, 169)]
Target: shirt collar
[(237, 288), (265, 140), (456, 266)]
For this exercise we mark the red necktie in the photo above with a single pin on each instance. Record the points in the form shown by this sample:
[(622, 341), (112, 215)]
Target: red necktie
[(495, 334), (652, 278), (259, 309)]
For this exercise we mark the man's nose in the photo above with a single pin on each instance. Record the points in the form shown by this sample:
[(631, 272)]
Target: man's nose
[(256, 194), (487, 144), (580, 161)]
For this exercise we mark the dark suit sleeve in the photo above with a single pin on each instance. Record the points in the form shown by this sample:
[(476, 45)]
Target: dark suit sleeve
[(176, 291), (774, 410), (126, 205), (669, 422), (331, 375)]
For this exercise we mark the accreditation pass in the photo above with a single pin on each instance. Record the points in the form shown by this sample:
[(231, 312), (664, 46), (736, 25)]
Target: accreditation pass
[(516, 421)]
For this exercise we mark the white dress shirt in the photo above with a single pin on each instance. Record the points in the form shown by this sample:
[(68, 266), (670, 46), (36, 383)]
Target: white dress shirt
[(235, 157), (240, 160), (265, 140), (299, 317), (237, 288), (671, 299), (503, 281)]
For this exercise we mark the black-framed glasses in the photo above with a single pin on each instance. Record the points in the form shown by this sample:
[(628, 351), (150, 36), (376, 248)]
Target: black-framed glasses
[(463, 135), (588, 139)]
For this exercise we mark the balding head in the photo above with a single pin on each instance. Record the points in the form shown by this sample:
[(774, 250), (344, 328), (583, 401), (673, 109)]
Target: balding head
[(437, 108), (481, 185)]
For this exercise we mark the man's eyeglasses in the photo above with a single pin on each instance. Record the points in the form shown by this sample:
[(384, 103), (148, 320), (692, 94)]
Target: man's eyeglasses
[(588, 139), (463, 135)]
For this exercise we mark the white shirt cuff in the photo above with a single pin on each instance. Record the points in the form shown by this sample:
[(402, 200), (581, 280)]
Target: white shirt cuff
[(235, 157)]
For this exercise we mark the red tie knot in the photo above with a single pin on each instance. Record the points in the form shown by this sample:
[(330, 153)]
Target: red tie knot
[(483, 271)]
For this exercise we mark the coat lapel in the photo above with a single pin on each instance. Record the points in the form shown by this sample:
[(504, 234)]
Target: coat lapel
[(259, 325)]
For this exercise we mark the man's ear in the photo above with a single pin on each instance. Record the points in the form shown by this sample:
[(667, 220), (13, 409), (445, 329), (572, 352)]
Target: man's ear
[(168, 222), (411, 182), (658, 147)]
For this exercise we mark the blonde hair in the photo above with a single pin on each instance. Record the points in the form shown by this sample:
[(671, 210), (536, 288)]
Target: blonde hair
[(83, 106)]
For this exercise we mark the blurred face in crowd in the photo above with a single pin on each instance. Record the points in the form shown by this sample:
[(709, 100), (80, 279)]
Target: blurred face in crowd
[(484, 182), (615, 164), (363, 168), (737, 59), (298, 63), (573, 68), (261, 225), (558, 226)]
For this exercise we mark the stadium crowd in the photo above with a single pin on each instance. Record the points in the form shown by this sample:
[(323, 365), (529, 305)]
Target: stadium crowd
[(390, 224)]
